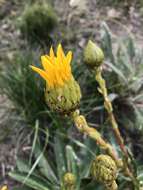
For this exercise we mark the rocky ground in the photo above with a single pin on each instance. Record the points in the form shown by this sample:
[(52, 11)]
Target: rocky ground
[(82, 20)]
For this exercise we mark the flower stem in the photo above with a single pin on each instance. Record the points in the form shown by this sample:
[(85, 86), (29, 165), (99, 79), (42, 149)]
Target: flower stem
[(82, 126), (108, 106)]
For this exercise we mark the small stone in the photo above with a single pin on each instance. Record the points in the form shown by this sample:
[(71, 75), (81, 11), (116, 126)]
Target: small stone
[(112, 13)]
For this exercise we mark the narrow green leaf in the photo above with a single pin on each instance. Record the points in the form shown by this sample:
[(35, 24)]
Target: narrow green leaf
[(131, 48), (21, 188), (34, 140), (22, 165), (72, 159), (106, 42), (60, 156), (117, 71), (32, 181), (43, 164), (72, 163)]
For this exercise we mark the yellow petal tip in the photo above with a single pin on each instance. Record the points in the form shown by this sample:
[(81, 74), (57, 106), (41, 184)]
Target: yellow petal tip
[(56, 69)]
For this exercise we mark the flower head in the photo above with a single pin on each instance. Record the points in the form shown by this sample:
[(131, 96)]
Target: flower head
[(57, 69), (104, 170), (69, 180), (62, 92)]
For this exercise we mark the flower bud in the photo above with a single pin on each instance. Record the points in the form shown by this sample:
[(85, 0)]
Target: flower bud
[(93, 55), (104, 170), (69, 180), (64, 99)]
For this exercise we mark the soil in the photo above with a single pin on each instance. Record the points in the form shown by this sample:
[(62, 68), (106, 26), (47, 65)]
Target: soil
[(83, 21)]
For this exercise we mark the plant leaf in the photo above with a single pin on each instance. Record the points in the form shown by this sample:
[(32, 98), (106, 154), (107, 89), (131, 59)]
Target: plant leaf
[(32, 181)]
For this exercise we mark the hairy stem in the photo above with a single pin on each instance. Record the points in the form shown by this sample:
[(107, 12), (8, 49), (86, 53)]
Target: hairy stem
[(109, 108), (82, 126)]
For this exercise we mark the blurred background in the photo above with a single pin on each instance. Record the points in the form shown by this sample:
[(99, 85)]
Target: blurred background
[(27, 29)]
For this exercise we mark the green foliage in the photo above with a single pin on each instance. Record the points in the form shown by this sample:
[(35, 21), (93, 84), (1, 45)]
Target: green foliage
[(124, 77), (64, 154), (37, 22), (46, 166), (22, 87), (51, 159)]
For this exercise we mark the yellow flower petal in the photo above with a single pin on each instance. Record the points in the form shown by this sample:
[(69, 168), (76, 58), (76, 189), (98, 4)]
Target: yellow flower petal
[(46, 63), (42, 73), (69, 57), (57, 69), (52, 53), (60, 53)]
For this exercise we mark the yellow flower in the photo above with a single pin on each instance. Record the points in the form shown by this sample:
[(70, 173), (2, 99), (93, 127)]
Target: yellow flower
[(57, 69), (62, 92), (4, 187)]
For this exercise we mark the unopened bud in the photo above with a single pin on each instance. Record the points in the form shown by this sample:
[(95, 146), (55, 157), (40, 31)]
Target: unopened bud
[(104, 170), (69, 180), (93, 55)]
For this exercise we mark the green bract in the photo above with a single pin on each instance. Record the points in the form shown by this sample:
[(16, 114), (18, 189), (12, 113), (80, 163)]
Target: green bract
[(104, 169), (64, 99), (93, 55)]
